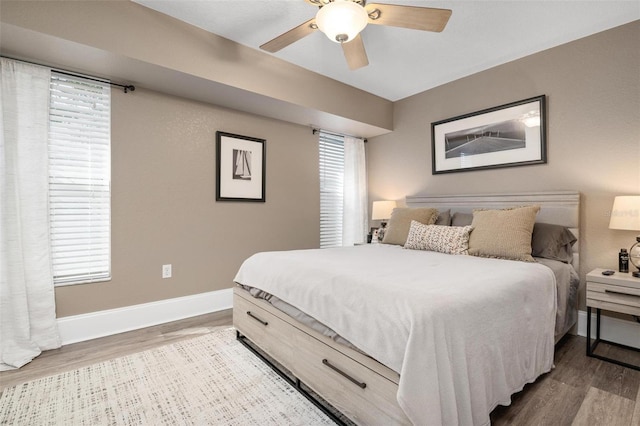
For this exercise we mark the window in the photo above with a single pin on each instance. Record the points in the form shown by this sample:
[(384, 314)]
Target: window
[(331, 189), (80, 179)]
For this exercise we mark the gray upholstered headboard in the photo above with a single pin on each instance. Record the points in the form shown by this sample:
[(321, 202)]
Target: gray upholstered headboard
[(558, 207)]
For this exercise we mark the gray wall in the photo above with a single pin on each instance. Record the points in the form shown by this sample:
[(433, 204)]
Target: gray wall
[(593, 99), (164, 208)]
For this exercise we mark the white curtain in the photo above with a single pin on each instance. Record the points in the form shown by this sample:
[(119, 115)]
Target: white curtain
[(355, 219), (27, 305)]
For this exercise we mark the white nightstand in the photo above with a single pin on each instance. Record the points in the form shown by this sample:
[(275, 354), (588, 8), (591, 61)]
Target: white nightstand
[(619, 292)]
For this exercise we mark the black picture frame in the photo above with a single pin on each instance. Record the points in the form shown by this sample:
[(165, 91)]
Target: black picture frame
[(240, 168), (373, 235), (508, 135)]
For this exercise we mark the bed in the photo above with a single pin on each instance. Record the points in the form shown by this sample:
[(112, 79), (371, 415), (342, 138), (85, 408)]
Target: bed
[(395, 336)]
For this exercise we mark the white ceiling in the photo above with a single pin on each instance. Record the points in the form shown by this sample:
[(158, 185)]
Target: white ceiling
[(480, 35)]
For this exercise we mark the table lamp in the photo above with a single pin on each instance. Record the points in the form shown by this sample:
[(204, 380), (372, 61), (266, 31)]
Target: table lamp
[(382, 211), (625, 215)]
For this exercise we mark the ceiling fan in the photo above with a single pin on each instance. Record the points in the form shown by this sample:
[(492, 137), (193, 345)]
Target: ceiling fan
[(343, 20)]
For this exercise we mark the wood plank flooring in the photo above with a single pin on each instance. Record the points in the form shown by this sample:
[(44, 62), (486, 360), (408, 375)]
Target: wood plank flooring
[(579, 391), (71, 357)]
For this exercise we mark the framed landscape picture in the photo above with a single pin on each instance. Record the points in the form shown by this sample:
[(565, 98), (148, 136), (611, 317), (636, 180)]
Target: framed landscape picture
[(240, 168), (504, 136)]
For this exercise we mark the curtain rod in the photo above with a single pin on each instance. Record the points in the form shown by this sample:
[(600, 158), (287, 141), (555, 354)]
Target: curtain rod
[(126, 87), (315, 130)]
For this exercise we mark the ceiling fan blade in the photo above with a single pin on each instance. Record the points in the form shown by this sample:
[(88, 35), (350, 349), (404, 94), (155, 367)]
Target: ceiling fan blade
[(414, 17), (293, 35), (355, 54)]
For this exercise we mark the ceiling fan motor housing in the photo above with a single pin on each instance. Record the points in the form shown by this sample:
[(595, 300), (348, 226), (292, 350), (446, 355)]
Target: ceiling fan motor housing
[(341, 20)]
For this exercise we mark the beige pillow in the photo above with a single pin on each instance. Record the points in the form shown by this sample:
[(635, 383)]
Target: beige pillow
[(503, 234), (440, 238), (400, 222)]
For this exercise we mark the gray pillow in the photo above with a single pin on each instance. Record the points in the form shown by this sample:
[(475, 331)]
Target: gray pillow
[(461, 219), (552, 242), (444, 218)]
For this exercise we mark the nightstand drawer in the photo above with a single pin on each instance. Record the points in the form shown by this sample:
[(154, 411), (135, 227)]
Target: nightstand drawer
[(614, 297)]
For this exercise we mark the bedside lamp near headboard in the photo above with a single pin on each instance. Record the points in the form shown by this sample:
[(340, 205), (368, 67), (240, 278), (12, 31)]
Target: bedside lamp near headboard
[(382, 211), (625, 215)]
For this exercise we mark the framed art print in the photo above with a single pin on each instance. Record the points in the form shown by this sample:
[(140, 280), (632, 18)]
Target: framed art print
[(240, 168), (504, 136)]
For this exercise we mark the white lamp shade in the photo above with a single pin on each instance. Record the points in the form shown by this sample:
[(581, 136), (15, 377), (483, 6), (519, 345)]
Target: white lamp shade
[(625, 213), (341, 20), (382, 210)]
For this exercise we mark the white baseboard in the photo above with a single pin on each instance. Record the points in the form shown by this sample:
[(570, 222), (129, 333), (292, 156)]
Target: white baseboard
[(612, 329), (78, 328)]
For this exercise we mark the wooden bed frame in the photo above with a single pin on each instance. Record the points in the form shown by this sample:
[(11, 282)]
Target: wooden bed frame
[(355, 384)]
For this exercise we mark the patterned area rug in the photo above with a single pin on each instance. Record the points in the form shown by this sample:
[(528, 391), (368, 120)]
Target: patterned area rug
[(206, 380)]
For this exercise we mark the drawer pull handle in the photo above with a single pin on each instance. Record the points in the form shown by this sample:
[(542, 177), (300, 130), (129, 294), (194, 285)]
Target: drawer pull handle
[(620, 292), (337, 370), (257, 319)]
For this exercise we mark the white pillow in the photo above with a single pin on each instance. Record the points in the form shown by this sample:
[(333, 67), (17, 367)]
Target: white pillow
[(443, 239)]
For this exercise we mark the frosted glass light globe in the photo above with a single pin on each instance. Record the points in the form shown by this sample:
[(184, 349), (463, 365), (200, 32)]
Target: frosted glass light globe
[(341, 20)]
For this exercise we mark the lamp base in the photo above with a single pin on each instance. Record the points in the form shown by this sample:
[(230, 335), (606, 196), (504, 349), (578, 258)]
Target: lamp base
[(634, 257), (382, 230)]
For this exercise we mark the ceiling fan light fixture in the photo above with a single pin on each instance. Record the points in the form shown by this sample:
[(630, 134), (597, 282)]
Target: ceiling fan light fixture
[(341, 20)]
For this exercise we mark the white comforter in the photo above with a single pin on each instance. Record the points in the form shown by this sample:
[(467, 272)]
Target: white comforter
[(464, 333)]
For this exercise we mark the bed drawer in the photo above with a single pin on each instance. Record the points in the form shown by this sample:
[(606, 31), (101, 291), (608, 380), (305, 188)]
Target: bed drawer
[(263, 329), (363, 395)]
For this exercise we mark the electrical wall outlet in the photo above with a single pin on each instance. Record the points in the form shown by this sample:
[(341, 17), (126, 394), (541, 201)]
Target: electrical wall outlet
[(166, 271)]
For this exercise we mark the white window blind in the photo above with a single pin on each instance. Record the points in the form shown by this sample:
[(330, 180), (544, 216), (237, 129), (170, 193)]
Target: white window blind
[(80, 179), (331, 189)]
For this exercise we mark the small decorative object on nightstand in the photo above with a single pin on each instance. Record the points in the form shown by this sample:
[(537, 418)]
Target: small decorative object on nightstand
[(382, 211), (625, 215), (617, 292)]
